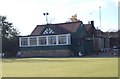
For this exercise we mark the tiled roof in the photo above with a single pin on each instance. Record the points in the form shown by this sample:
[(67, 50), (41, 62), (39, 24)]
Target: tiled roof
[(87, 27), (72, 27), (38, 29), (60, 28), (90, 29)]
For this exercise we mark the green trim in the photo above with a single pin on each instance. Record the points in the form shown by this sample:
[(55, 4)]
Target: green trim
[(61, 47)]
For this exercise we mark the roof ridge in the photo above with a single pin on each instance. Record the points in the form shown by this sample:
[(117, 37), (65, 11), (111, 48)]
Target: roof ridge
[(60, 23), (67, 23)]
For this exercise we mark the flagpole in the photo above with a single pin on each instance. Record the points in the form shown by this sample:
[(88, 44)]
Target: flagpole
[(100, 15)]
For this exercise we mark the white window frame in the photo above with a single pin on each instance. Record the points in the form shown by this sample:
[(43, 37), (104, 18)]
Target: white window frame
[(29, 41), (64, 39), (20, 42), (68, 40), (52, 40), (39, 40)]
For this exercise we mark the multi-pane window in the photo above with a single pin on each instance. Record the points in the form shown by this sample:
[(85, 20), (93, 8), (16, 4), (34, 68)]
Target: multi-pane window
[(62, 39), (51, 40), (42, 41), (24, 41), (33, 41)]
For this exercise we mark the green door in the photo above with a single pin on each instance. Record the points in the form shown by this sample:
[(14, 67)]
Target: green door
[(88, 47)]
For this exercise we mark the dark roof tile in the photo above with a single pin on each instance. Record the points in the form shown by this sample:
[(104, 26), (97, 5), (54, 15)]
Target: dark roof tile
[(61, 27)]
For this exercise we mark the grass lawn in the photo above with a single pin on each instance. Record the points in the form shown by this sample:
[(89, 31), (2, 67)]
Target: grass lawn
[(60, 67)]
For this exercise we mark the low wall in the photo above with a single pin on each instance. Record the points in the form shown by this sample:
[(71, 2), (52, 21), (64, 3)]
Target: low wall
[(46, 53)]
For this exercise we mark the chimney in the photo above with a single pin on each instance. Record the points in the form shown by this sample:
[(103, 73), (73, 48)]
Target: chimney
[(91, 22)]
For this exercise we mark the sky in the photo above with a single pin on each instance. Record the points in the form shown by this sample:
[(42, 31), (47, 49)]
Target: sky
[(26, 14)]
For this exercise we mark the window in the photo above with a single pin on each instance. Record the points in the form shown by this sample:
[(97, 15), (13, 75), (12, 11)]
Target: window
[(24, 41), (51, 40), (69, 39), (33, 41), (62, 39), (48, 40), (42, 40)]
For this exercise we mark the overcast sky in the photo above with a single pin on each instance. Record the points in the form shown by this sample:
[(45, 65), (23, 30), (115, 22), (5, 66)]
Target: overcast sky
[(26, 14)]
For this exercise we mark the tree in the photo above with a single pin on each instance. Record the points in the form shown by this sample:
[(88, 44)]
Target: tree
[(9, 36), (73, 18), (8, 31)]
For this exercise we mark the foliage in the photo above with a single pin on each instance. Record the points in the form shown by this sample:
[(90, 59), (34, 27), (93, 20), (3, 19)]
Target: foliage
[(73, 18), (9, 37), (8, 31), (114, 37)]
